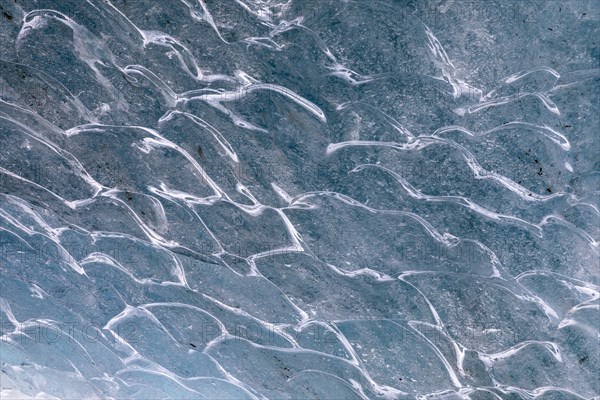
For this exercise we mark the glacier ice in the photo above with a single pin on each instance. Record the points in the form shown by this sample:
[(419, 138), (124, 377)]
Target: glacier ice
[(322, 199)]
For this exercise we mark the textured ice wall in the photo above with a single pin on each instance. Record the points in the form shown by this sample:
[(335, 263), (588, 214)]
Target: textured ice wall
[(301, 199)]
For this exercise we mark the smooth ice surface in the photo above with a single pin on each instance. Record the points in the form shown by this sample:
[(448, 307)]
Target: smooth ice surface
[(231, 199)]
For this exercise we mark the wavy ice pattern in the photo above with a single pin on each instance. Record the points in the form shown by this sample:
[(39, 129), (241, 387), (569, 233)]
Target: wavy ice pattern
[(299, 199)]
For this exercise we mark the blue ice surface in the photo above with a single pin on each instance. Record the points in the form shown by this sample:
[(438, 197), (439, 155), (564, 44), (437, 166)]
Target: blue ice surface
[(293, 199)]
